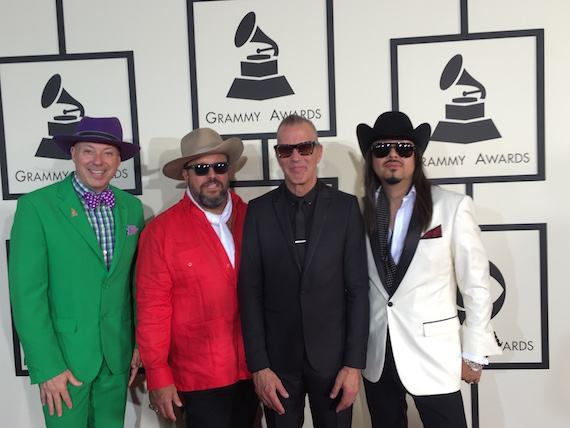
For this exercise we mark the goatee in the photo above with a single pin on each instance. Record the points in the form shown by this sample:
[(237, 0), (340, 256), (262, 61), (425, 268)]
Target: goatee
[(392, 180)]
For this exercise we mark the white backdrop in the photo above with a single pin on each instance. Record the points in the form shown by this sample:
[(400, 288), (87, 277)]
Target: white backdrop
[(157, 34)]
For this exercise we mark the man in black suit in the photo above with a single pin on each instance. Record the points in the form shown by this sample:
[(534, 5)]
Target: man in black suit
[(303, 289)]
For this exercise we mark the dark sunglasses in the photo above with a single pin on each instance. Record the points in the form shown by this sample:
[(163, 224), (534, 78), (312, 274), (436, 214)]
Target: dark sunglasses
[(403, 149), (285, 150), (202, 169)]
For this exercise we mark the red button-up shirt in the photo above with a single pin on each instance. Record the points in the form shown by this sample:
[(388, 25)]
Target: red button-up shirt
[(189, 329)]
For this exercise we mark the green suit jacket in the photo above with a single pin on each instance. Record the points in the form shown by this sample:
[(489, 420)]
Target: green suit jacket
[(70, 312)]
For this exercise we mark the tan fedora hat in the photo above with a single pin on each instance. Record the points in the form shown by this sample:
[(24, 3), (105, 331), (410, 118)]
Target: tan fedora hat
[(200, 142)]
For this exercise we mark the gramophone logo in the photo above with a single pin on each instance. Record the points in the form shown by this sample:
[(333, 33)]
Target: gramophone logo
[(465, 116), (62, 124), (259, 75)]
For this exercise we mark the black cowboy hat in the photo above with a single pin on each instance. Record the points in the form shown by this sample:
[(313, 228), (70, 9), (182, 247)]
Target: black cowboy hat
[(392, 125)]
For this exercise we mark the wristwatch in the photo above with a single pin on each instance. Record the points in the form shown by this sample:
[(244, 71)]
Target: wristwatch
[(473, 365)]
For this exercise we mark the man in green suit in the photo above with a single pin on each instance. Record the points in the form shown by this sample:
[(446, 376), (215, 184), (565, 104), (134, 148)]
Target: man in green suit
[(71, 269)]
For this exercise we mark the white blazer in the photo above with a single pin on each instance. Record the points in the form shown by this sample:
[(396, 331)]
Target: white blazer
[(426, 335)]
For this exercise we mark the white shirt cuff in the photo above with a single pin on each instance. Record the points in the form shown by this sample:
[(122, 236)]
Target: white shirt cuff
[(476, 358)]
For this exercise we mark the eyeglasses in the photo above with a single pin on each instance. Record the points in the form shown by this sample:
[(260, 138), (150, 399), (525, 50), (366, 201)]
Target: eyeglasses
[(403, 149), (285, 150), (201, 169)]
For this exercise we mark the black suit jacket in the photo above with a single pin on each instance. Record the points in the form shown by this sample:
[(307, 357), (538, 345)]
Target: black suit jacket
[(321, 309)]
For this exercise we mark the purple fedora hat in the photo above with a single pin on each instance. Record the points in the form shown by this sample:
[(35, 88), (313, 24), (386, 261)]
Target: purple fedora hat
[(106, 130)]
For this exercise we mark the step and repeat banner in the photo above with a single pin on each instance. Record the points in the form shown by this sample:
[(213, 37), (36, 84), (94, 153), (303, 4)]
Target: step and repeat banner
[(482, 93)]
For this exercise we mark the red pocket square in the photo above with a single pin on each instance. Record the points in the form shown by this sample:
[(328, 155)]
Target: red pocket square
[(434, 233)]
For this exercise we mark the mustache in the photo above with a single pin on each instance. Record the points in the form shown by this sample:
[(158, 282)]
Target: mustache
[(211, 180), (393, 160)]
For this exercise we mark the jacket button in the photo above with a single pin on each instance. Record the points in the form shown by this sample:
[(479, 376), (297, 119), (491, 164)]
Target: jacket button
[(390, 304), (190, 264)]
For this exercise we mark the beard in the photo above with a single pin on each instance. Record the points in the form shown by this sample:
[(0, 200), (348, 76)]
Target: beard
[(392, 180), (214, 201)]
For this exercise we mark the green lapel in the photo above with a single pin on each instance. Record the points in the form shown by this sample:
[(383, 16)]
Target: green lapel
[(72, 210)]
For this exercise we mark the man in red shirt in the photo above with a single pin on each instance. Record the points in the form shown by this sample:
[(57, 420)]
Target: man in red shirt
[(189, 331)]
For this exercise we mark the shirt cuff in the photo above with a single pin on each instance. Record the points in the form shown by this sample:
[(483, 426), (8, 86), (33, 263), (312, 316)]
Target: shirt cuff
[(476, 358)]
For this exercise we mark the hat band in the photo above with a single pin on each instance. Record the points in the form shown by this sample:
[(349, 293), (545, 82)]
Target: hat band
[(100, 134)]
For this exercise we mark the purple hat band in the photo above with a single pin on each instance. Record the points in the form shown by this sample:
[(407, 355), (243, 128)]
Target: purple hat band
[(96, 134)]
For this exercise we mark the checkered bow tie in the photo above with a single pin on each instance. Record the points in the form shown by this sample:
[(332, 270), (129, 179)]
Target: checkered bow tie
[(94, 199)]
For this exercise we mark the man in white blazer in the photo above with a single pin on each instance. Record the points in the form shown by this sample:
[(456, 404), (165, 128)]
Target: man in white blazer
[(423, 245)]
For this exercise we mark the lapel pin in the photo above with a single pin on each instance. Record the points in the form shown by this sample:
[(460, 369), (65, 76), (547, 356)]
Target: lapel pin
[(73, 213)]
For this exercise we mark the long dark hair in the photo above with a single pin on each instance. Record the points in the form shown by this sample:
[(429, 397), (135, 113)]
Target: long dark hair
[(423, 205)]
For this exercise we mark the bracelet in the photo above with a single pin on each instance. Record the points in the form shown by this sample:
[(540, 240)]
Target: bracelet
[(473, 365)]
